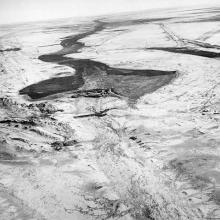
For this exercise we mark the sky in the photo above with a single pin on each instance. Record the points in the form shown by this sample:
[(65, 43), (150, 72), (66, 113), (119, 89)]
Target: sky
[(13, 11)]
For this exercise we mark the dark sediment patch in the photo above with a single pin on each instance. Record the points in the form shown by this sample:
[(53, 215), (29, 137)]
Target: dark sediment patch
[(127, 72), (53, 86), (131, 83), (10, 49), (187, 50), (126, 82), (18, 121)]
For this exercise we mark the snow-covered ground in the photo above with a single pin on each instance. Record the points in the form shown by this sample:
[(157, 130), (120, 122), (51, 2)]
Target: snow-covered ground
[(157, 159)]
